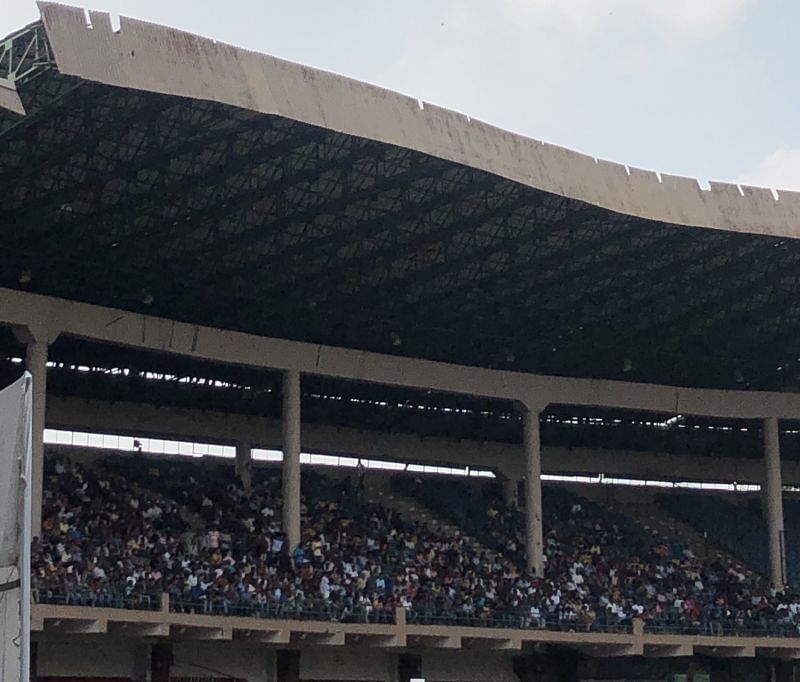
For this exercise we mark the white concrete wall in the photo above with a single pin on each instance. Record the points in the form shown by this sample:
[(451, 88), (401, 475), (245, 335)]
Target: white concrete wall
[(209, 659), (9, 626), (87, 659), (351, 665), (464, 666)]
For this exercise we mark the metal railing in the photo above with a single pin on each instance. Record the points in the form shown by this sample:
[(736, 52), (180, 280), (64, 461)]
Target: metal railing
[(726, 628), (514, 620), (138, 601), (307, 610), (319, 610)]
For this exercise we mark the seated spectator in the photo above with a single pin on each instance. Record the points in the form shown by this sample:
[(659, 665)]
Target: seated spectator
[(121, 532)]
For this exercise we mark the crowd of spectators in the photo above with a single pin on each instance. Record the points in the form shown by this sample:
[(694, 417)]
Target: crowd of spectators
[(125, 530), (606, 569)]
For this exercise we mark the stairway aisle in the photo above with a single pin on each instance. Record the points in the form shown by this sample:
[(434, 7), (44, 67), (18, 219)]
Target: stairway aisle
[(379, 492), (645, 511)]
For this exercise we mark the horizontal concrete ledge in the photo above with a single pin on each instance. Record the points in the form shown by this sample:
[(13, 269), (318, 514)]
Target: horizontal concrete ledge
[(50, 621), (9, 99), (139, 629), (180, 632), (667, 650), (46, 318), (608, 650), (727, 650), (434, 641), (785, 654), (335, 638), (86, 625), (492, 643), (263, 636), (397, 641)]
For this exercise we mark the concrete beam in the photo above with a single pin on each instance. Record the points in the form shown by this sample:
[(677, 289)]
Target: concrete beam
[(127, 629), (723, 650), (492, 644), (119, 327), (434, 641), (88, 626), (668, 650), (9, 99), (277, 637), (76, 620), (783, 653), (318, 638), (607, 650), (377, 641), (199, 632)]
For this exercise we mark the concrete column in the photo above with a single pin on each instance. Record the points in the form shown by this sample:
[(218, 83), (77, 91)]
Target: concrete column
[(36, 364), (509, 488), (534, 536), (291, 457), (774, 498), (243, 465)]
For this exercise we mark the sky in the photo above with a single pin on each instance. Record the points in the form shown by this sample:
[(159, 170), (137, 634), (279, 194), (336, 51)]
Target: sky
[(703, 88)]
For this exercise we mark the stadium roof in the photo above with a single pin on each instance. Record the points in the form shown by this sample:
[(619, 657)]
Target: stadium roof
[(155, 171)]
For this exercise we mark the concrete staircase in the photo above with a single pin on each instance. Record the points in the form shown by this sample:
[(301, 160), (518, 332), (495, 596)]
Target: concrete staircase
[(641, 508), (378, 491), (194, 521)]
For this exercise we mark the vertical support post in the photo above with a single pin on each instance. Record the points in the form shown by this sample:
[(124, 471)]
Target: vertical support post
[(291, 457), (36, 364), (774, 499), (243, 465), (509, 489), (534, 535)]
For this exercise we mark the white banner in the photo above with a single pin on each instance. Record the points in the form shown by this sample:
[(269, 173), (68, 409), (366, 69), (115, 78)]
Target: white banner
[(15, 529)]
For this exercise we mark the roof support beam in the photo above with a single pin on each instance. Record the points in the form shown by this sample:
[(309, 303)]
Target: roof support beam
[(119, 327)]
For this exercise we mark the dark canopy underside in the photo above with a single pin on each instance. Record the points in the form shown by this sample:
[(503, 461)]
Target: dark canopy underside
[(201, 212)]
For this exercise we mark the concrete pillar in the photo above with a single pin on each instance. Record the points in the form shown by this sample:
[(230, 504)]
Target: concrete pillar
[(161, 661), (534, 535), (141, 661), (509, 488), (774, 498), (291, 457), (36, 364), (243, 465), (287, 665)]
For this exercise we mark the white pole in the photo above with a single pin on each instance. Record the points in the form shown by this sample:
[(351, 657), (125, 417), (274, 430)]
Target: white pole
[(25, 555)]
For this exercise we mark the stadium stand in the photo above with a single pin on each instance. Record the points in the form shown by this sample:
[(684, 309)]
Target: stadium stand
[(125, 529), (205, 244), (738, 525), (658, 577)]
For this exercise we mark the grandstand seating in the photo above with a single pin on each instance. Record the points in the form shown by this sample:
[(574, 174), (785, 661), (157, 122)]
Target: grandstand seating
[(738, 526), (791, 519), (195, 534), (679, 592)]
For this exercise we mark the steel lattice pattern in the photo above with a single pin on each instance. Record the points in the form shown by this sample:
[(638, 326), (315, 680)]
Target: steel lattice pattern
[(201, 212)]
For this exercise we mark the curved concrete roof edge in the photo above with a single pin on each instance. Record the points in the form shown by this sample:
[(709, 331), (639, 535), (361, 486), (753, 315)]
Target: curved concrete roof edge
[(155, 58)]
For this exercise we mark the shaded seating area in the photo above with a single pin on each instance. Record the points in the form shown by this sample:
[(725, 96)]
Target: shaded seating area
[(120, 531)]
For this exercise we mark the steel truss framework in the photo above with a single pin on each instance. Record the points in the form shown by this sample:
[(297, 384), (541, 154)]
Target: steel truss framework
[(25, 54), (202, 212)]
